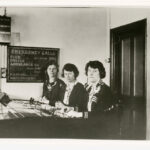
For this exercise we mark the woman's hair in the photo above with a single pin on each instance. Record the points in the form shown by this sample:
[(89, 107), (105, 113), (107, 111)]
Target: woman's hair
[(49, 63), (70, 67), (96, 65), (52, 62)]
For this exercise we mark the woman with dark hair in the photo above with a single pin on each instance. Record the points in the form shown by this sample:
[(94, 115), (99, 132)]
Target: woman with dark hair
[(101, 99), (52, 87), (75, 96), (101, 106)]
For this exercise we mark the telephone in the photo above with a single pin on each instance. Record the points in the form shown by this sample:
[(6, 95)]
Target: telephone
[(4, 98)]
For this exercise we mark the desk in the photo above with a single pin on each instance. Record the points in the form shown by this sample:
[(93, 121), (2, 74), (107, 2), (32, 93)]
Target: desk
[(37, 124)]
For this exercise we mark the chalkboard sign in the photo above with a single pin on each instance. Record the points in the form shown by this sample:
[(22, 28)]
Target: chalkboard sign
[(26, 64)]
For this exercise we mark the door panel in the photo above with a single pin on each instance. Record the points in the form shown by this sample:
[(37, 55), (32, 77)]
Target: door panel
[(125, 65), (138, 65)]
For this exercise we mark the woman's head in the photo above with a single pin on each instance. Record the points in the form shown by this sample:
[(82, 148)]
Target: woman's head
[(70, 72), (95, 71), (51, 69)]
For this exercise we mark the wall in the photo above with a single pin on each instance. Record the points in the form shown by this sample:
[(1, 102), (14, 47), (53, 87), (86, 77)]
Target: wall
[(80, 33), (122, 16)]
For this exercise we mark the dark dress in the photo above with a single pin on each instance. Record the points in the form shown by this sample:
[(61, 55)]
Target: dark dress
[(105, 100), (78, 97), (104, 112), (55, 93)]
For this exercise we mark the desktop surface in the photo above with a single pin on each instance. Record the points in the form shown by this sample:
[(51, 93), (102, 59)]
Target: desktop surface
[(20, 119)]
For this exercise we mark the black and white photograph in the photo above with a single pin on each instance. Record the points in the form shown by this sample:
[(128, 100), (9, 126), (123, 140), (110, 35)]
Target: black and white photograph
[(75, 73)]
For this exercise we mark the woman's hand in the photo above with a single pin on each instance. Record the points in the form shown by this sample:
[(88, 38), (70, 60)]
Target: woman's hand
[(63, 107), (74, 114), (43, 100), (59, 105)]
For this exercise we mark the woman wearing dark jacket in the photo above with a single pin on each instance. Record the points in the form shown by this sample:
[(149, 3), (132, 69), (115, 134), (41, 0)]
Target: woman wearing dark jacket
[(101, 99), (52, 87), (101, 103), (74, 94)]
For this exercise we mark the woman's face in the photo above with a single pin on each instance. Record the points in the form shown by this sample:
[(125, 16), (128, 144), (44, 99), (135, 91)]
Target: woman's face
[(93, 75), (52, 71), (69, 76)]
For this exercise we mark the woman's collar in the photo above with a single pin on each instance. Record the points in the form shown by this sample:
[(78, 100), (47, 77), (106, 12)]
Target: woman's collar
[(52, 80)]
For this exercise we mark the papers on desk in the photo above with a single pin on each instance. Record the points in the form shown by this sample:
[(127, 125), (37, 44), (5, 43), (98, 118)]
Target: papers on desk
[(22, 109), (6, 114)]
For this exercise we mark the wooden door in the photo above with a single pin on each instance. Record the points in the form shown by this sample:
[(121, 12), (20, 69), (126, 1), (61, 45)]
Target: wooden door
[(128, 77)]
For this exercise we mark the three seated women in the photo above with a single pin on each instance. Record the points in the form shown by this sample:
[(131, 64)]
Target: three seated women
[(94, 98)]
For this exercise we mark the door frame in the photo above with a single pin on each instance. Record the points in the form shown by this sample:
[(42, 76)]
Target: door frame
[(114, 75)]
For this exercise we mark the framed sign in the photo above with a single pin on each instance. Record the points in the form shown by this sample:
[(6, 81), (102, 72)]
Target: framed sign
[(26, 64)]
